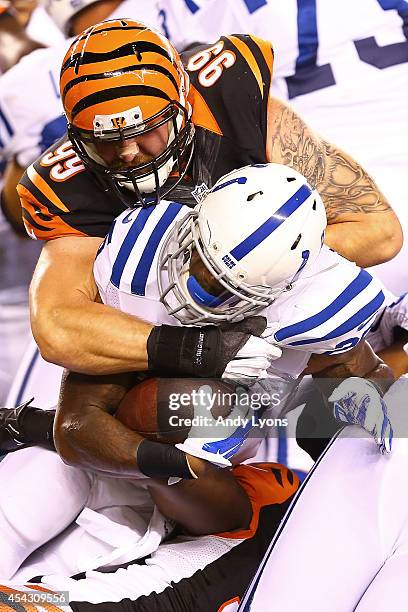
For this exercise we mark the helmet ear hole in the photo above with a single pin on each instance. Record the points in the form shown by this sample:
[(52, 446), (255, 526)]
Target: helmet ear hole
[(294, 245), (314, 205), (290, 179)]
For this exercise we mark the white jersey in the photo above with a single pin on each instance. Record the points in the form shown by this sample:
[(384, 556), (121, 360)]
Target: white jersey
[(305, 33), (389, 318), (31, 113), (43, 29), (327, 312), (342, 65), (31, 116)]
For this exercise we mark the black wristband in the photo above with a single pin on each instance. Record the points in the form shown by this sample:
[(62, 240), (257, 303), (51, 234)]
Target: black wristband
[(157, 460), (190, 351)]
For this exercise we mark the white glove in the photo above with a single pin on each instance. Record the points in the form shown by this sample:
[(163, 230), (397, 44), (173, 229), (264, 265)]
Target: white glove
[(252, 360), (223, 440), (357, 401)]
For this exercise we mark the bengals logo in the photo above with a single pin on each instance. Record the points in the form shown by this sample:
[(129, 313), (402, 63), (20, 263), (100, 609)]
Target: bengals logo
[(118, 122)]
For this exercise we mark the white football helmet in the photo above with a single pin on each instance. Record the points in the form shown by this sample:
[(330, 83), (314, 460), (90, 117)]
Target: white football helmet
[(258, 230)]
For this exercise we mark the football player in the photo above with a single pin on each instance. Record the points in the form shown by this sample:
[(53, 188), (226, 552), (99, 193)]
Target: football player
[(185, 571), (172, 265), (346, 531), (129, 131), (342, 66)]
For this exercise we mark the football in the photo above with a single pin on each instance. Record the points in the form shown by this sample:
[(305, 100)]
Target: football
[(165, 409)]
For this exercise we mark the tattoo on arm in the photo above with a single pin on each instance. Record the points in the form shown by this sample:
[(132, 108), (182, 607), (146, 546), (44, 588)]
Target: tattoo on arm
[(344, 185)]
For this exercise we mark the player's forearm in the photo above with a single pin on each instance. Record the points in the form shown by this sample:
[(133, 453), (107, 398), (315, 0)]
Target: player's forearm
[(369, 241), (361, 362), (95, 440), (362, 224), (92, 338), (212, 503), (87, 436)]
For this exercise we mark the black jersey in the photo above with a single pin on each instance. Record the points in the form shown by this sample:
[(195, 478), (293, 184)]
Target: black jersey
[(229, 93)]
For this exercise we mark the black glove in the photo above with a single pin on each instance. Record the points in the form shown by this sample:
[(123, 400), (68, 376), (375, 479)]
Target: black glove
[(199, 351), (25, 426)]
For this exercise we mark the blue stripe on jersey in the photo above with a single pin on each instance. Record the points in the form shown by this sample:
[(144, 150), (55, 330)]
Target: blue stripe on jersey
[(6, 122), (51, 131), (145, 263), (351, 291), (266, 229), (254, 5), (128, 244), (307, 33), (362, 315), (192, 6)]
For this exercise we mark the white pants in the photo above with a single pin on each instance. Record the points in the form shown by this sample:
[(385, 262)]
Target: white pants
[(35, 378), (14, 336), (343, 545), (88, 521), (169, 564)]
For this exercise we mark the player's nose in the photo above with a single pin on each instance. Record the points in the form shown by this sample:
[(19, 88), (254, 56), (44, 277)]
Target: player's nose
[(127, 150)]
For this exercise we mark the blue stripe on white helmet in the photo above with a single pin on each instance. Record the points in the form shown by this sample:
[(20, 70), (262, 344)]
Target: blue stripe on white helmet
[(259, 229)]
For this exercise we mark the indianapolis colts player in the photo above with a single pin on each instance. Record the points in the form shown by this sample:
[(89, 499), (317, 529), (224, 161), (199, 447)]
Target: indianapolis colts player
[(212, 268), (346, 530), (229, 281), (260, 253)]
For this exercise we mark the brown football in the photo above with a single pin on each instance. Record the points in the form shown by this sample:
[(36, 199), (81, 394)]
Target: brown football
[(161, 409)]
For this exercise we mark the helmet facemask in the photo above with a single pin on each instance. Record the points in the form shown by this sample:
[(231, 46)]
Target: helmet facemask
[(121, 80), (257, 232), (187, 299), (147, 179)]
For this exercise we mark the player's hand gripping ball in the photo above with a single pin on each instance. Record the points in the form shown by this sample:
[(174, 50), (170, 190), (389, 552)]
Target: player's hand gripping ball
[(186, 412)]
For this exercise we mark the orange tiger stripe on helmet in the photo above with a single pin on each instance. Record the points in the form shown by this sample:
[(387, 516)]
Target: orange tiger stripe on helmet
[(265, 484), (122, 80), (133, 66)]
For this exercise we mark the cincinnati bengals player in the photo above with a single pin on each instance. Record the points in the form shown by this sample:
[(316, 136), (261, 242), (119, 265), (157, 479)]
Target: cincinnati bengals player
[(132, 109)]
